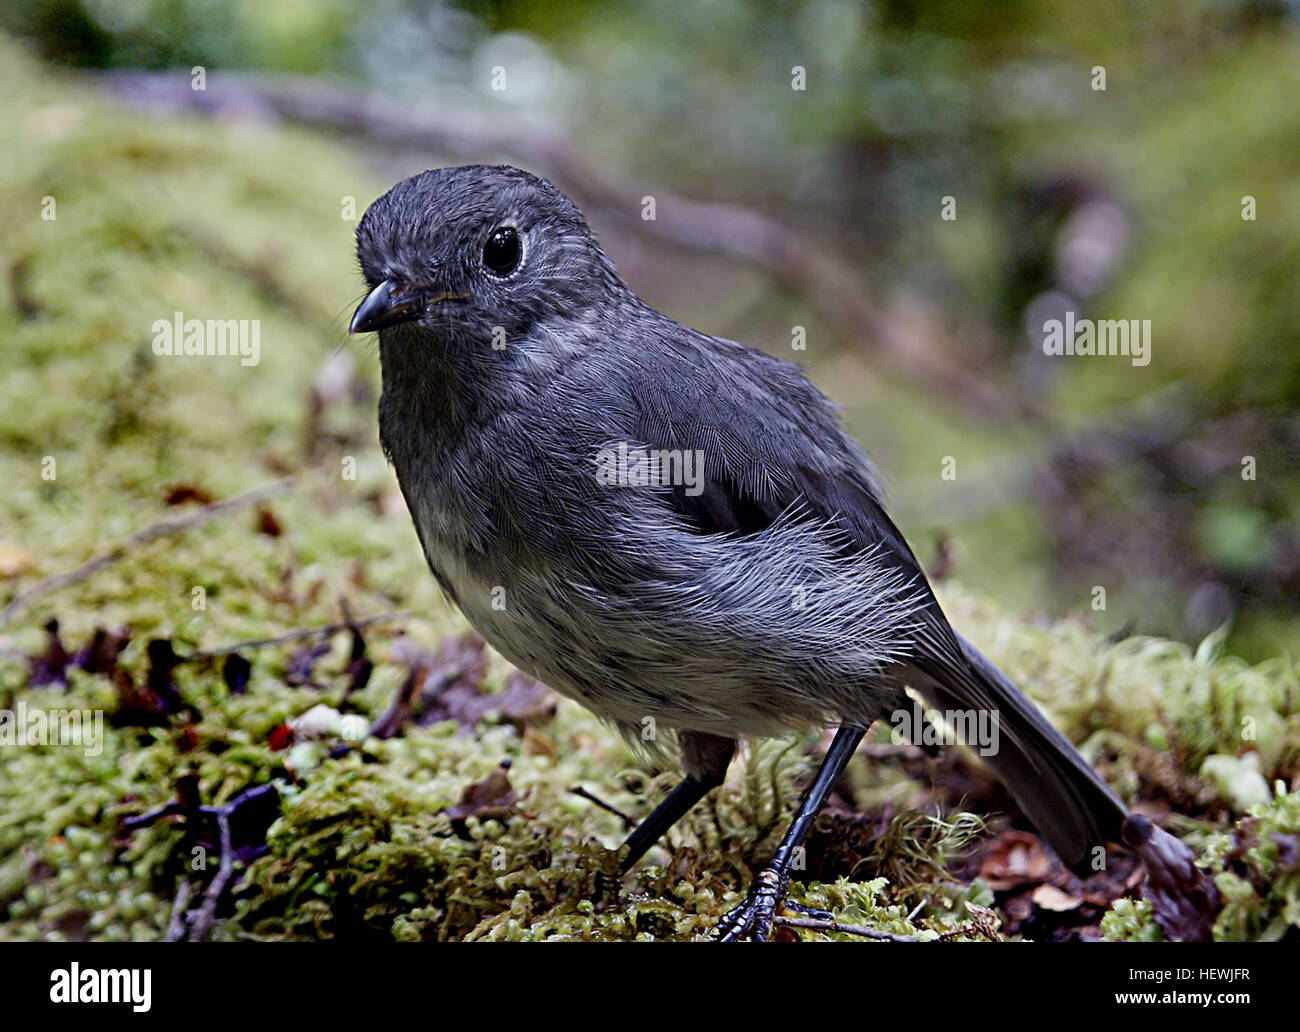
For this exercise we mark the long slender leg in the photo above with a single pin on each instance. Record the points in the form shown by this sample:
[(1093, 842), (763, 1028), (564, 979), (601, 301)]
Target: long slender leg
[(689, 791), (706, 758), (765, 894)]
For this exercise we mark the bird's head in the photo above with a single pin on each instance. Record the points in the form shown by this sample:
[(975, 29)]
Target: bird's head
[(477, 253)]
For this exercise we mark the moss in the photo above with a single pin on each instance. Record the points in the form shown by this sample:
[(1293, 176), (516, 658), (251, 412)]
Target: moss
[(1257, 870), (1131, 920)]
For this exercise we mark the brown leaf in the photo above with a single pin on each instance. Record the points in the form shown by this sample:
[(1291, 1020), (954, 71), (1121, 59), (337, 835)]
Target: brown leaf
[(267, 523), (1049, 897), (493, 797), (1123, 878), (525, 701), (100, 654), (455, 682), (1015, 858), (152, 705), (52, 665)]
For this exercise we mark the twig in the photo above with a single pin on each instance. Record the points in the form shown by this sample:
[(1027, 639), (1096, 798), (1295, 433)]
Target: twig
[(163, 528), (820, 924), (176, 926), (201, 926), (144, 819), (197, 925), (628, 822), (306, 632)]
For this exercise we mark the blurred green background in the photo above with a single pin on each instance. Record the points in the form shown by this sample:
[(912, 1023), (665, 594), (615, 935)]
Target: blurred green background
[(1124, 202)]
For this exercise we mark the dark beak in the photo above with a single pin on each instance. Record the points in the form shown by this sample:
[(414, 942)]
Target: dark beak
[(391, 303)]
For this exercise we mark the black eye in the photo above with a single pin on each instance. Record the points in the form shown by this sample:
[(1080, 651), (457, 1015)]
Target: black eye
[(503, 250)]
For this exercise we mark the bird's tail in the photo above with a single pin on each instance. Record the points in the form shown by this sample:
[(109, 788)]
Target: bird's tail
[(1067, 801)]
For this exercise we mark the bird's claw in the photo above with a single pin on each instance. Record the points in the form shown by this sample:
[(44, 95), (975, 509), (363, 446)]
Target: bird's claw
[(753, 919)]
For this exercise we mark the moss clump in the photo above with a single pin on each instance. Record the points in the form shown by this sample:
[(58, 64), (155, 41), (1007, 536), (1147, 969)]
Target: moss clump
[(1259, 872)]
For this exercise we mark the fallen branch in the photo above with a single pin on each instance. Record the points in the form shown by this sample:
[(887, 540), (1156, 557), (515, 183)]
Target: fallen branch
[(176, 926), (196, 925), (163, 528), (820, 924), (201, 925)]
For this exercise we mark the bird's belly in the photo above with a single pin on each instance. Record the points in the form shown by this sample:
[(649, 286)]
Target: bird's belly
[(657, 673), (536, 630)]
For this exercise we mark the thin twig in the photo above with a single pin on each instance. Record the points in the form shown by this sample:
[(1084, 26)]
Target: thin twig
[(176, 926), (143, 820), (162, 528), (628, 822), (818, 924), (306, 632), (201, 926)]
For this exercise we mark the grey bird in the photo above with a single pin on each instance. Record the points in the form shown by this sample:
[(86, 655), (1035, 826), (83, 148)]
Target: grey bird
[(668, 527)]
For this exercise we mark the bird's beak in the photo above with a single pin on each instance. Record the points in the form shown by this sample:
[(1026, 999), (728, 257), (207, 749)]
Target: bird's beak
[(391, 303)]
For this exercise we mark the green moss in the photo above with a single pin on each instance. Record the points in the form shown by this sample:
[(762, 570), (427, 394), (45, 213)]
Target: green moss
[(1257, 870), (1131, 920)]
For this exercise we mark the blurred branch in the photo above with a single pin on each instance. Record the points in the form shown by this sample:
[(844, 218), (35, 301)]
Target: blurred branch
[(162, 528), (798, 264)]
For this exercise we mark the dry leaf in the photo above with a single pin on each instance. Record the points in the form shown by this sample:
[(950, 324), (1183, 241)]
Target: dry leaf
[(1049, 897)]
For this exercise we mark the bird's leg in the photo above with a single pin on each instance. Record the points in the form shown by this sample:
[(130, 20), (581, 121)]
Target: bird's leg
[(689, 791), (753, 918), (705, 757)]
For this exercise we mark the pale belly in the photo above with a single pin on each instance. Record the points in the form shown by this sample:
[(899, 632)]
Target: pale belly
[(684, 656)]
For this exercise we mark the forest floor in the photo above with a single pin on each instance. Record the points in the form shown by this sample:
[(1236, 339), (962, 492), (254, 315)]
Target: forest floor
[(388, 776)]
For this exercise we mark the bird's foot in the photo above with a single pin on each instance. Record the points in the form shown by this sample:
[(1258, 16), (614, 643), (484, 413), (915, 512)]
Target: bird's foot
[(754, 918)]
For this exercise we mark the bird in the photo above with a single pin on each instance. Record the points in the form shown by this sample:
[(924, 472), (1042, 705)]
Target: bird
[(668, 527)]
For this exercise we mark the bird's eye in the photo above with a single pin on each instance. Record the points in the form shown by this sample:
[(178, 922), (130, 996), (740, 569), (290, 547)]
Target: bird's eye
[(503, 250)]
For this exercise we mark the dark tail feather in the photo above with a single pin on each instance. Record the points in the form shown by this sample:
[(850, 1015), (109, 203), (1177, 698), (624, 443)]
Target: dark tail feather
[(1067, 801)]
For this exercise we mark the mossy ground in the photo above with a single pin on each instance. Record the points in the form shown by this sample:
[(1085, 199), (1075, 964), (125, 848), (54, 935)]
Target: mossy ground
[(233, 221)]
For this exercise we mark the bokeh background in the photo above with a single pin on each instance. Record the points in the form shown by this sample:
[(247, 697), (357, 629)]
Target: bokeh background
[(1123, 540), (1119, 203)]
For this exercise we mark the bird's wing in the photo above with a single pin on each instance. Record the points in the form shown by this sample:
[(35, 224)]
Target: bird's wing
[(770, 441), (772, 446)]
